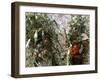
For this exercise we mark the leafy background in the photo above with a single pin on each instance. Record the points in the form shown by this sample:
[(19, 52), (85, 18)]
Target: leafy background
[(49, 38)]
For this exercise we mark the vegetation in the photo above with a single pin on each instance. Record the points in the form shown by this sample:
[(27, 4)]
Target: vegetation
[(78, 25), (43, 44)]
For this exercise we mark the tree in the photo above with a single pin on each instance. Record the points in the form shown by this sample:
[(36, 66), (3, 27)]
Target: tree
[(78, 24), (41, 31)]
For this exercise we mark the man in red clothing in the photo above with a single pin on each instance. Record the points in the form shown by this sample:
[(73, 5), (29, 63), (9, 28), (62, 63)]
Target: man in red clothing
[(76, 57)]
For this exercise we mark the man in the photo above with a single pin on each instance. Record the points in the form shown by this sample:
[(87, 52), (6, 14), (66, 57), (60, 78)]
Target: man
[(85, 50), (76, 57)]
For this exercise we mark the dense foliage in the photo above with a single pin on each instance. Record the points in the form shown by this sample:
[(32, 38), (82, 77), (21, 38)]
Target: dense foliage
[(43, 38)]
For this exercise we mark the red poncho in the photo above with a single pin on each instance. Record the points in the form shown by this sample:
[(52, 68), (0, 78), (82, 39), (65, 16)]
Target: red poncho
[(75, 50)]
